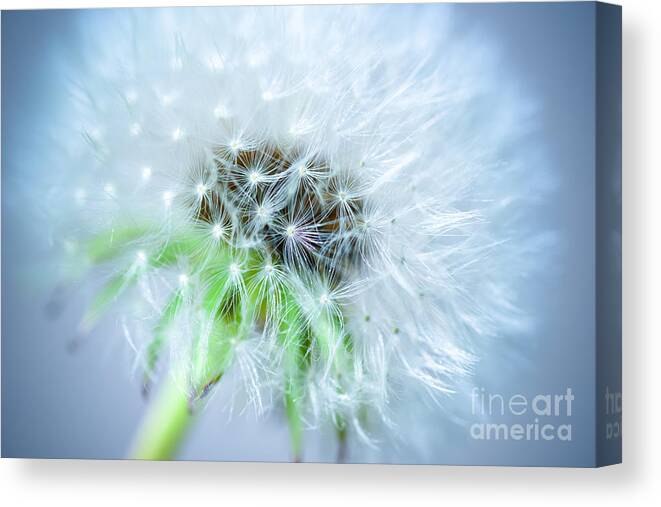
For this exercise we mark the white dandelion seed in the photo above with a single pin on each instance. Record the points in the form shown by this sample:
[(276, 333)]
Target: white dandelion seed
[(135, 129), (141, 257), (146, 173), (355, 177), (201, 190), (167, 197), (177, 134), (217, 231)]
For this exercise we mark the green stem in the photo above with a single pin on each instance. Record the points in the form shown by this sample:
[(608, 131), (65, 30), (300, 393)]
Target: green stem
[(165, 425)]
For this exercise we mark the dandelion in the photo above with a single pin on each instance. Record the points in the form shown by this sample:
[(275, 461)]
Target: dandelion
[(310, 198)]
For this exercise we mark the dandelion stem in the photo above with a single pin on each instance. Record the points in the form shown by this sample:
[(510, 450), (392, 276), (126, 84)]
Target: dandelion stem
[(165, 426)]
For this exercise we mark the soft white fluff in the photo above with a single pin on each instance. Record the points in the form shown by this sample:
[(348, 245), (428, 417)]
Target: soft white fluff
[(384, 106)]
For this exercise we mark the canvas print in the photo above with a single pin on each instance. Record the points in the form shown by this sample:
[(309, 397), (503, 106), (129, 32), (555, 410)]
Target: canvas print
[(350, 234)]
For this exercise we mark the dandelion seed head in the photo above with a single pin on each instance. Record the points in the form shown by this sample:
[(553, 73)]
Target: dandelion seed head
[(339, 164)]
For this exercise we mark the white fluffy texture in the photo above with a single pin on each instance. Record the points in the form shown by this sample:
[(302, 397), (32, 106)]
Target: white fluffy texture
[(410, 115)]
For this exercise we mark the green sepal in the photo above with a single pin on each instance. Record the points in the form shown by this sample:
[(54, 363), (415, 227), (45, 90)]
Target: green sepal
[(105, 298), (160, 335), (294, 337), (110, 244), (167, 255), (213, 357)]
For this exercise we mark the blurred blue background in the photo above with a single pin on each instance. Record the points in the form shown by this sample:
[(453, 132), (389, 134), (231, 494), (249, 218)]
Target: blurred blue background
[(86, 405)]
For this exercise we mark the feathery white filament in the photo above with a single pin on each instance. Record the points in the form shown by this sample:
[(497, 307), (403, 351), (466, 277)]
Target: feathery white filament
[(340, 160)]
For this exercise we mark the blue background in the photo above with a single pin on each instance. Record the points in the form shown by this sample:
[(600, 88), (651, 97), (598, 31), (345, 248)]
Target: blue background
[(86, 405)]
